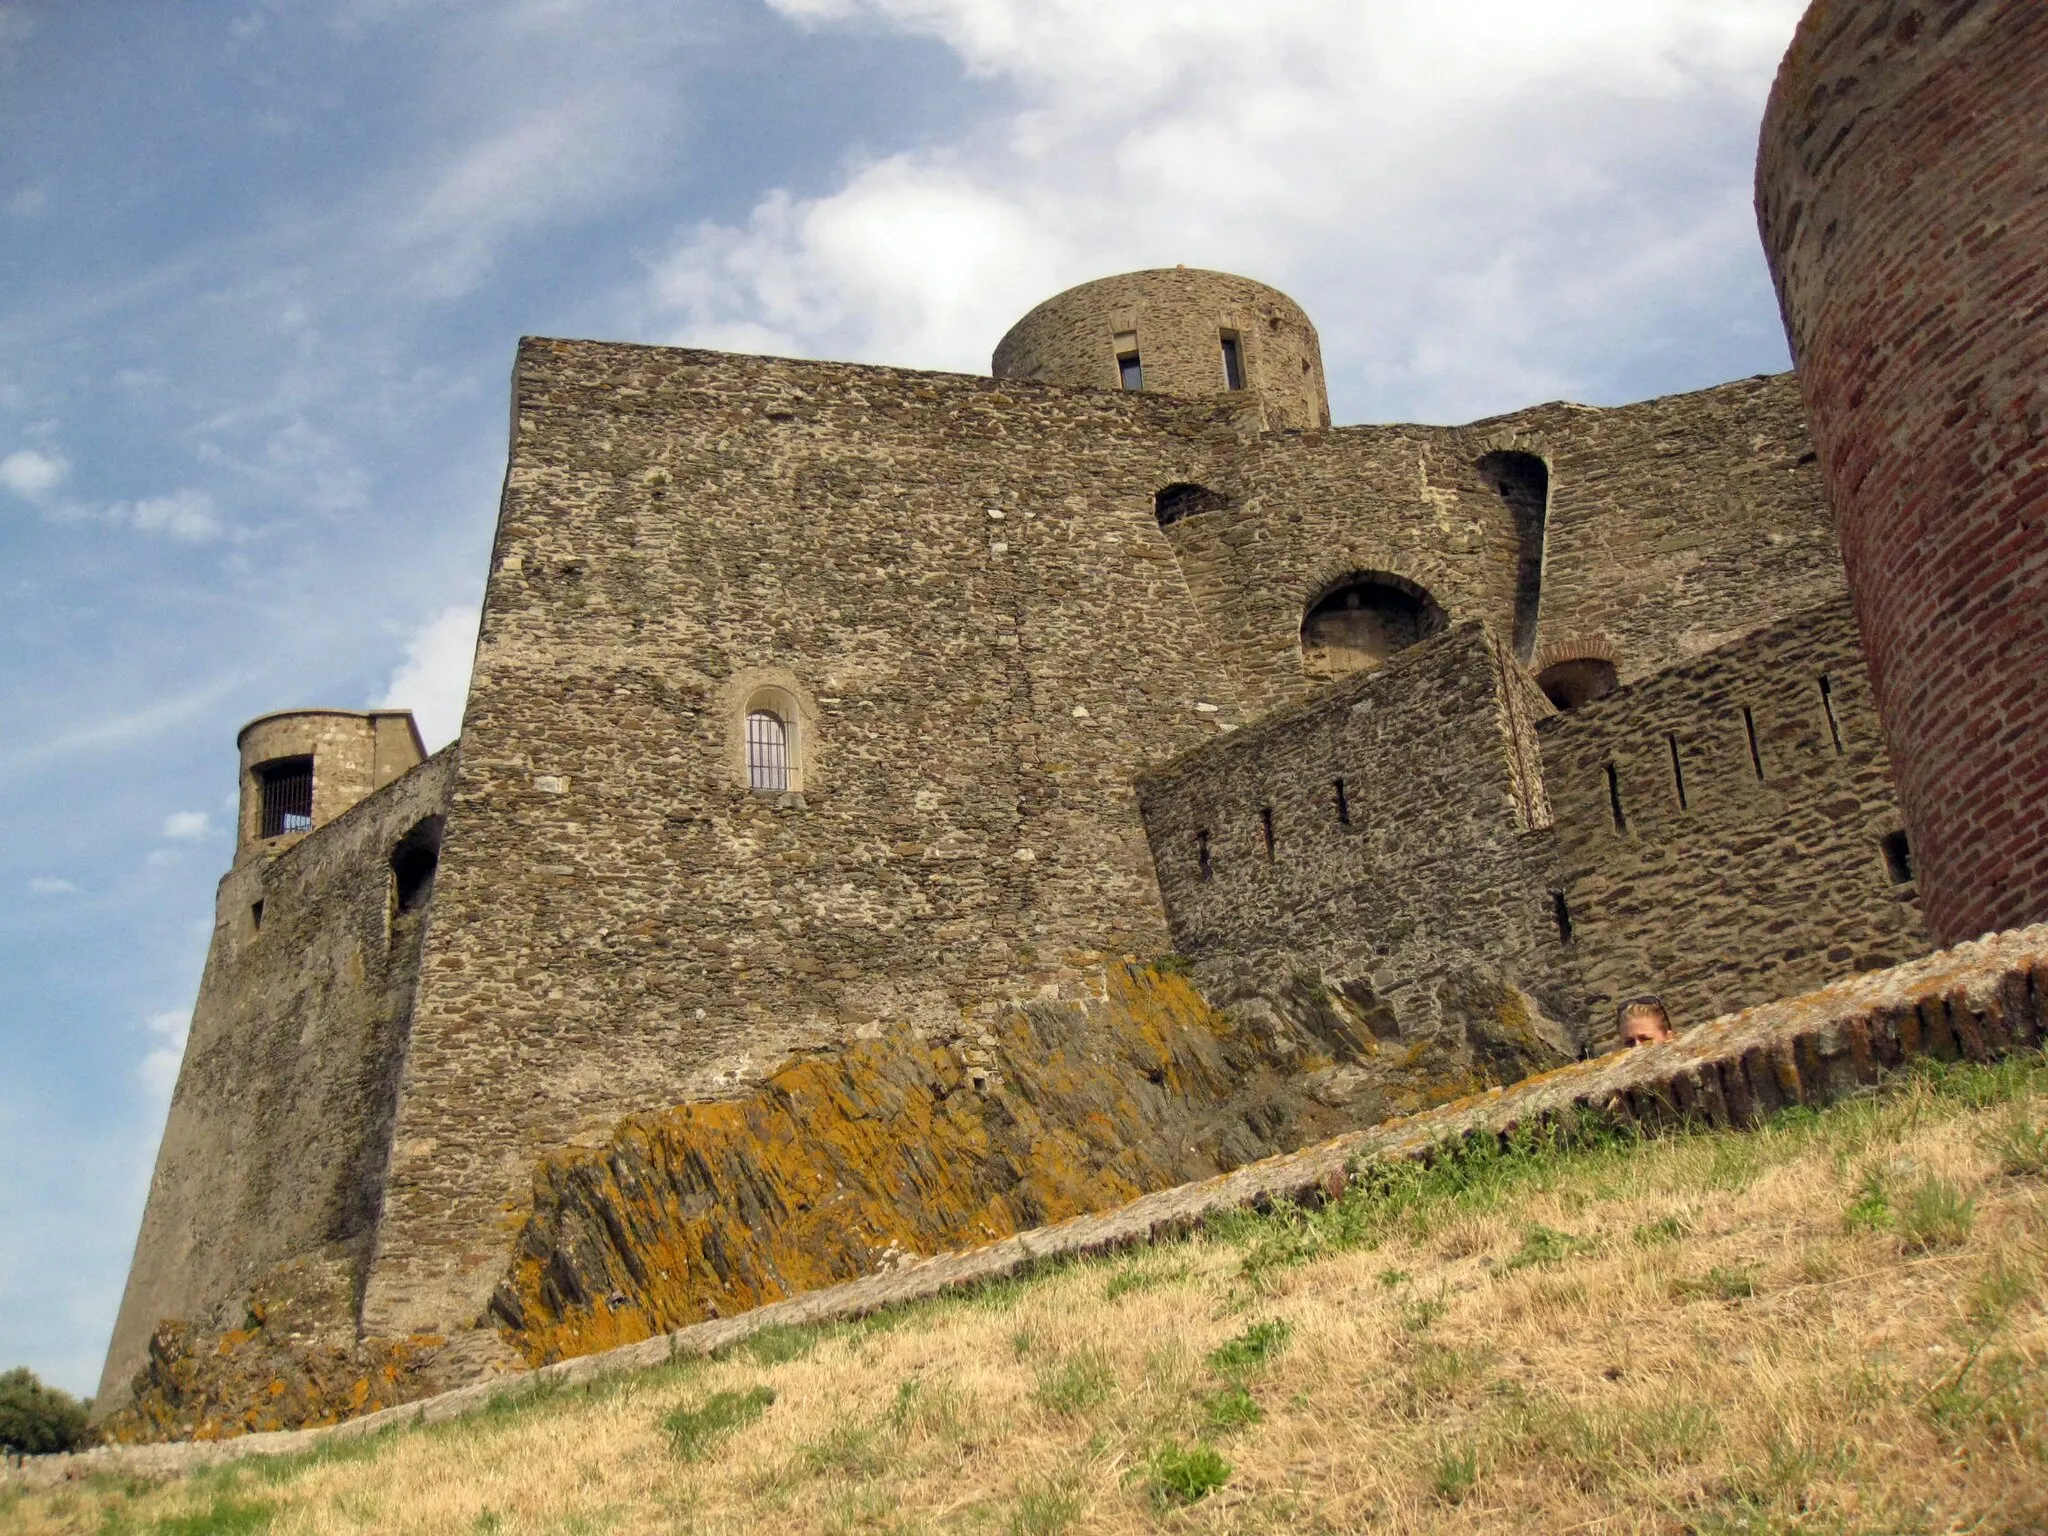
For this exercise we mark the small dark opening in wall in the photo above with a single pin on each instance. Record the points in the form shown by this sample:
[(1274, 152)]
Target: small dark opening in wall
[(1171, 503), (1202, 854), (1266, 824), (1614, 798), (1756, 755), (1233, 362), (285, 790), (1898, 857), (1343, 806), (1129, 371), (1678, 772), (255, 917), (413, 863), (1827, 703), (1561, 914), (1573, 684)]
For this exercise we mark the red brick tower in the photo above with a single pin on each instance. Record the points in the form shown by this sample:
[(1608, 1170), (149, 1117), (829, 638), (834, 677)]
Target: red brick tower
[(1902, 188)]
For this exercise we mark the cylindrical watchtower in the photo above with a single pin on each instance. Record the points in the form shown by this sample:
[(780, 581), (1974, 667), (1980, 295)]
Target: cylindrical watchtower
[(301, 768), (1902, 189), (1177, 331)]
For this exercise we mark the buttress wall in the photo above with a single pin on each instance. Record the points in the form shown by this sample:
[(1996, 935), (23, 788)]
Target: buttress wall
[(280, 1123), (957, 589)]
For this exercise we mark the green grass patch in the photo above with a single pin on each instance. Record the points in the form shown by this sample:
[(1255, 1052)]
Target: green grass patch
[(224, 1517), (1074, 1385), (1454, 1472), (1045, 1509), (1546, 1248), (1733, 1283), (1250, 1349), (1178, 1475), (693, 1430), (1232, 1408), (1934, 1215)]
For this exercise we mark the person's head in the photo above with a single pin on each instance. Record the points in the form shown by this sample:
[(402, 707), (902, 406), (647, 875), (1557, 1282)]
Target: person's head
[(1644, 1021)]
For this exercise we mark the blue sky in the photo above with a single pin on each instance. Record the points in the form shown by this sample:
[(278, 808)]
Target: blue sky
[(263, 265)]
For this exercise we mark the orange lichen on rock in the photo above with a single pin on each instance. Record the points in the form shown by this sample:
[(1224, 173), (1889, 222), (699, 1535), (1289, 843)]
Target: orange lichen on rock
[(844, 1163)]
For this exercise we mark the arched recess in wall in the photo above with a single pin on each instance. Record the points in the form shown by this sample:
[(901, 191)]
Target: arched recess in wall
[(1182, 499), (1357, 623), (1573, 673), (1522, 482)]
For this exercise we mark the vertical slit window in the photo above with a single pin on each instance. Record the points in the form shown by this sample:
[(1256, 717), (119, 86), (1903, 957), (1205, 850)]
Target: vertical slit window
[(1614, 798), (1827, 703), (767, 753), (1756, 754), (1343, 806), (286, 796), (1678, 772), (1202, 854), (1266, 825), (255, 917), (1561, 914), (1898, 858), (1233, 361)]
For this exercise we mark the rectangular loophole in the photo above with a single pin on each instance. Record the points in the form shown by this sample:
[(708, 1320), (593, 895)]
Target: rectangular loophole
[(1614, 799), (1561, 914), (1756, 755), (255, 917), (1343, 805), (1233, 361), (1129, 371), (1898, 857), (1202, 854), (1678, 772), (1827, 704), (1266, 826)]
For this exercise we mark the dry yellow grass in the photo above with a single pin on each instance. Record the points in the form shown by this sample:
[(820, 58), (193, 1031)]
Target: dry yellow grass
[(1839, 1324)]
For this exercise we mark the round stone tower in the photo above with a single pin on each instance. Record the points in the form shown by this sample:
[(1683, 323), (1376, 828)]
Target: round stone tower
[(1902, 189), (301, 768), (1176, 331)]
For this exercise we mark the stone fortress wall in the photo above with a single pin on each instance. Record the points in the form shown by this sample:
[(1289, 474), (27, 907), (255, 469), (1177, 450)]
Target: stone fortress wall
[(1005, 626), (1901, 194)]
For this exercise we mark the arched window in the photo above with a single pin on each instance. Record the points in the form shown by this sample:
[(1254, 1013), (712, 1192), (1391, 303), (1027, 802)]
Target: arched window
[(767, 752), (1363, 621)]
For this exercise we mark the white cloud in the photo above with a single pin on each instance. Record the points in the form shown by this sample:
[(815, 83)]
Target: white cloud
[(1468, 195), (188, 515), (187, 824), (433, 680), (44, 885), (32, 474), (159, 1068)]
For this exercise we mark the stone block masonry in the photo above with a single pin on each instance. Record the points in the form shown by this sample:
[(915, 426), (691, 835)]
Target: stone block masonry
[(1903, 193), (1727, 831)]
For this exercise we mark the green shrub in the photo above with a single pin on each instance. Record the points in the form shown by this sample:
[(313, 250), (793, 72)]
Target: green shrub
[(692, 1431), (36, 1420), (1185, 1474)]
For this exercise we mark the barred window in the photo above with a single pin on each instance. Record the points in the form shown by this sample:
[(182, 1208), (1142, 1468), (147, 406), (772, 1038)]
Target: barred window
[(767, 753), (287, 796)]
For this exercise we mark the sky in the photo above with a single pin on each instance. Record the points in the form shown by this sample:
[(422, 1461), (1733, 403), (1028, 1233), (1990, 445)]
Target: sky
[(263, 265)]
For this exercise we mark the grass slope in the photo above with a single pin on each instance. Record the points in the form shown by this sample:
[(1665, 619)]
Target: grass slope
[(1836, 1324)]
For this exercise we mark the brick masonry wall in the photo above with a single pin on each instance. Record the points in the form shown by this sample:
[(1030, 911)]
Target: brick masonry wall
[(1901, 194), (280, 1122), (1756, 886), (1440, 868), (1674, 526)]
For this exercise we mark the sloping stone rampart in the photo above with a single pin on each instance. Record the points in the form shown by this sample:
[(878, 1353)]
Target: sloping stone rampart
[(1975, 1002)]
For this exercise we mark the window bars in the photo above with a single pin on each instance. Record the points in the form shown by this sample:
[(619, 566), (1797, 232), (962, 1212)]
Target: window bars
[(767, 753), (287, 796)]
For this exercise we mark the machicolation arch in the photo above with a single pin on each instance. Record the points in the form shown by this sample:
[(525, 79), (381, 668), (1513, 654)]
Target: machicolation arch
[(1360, 621)]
